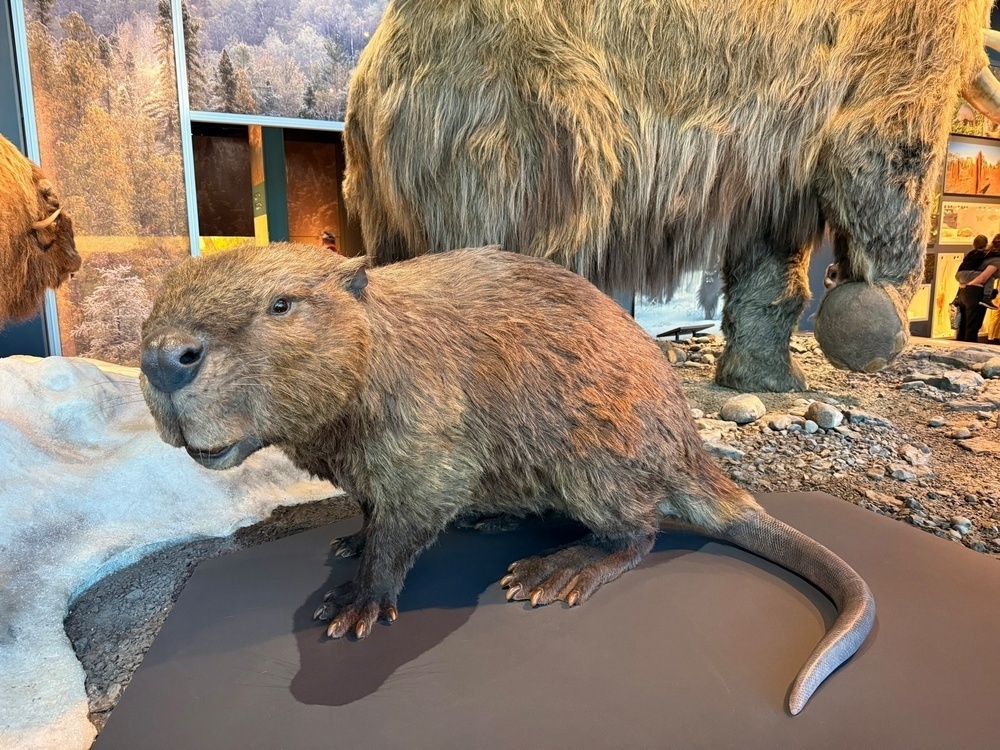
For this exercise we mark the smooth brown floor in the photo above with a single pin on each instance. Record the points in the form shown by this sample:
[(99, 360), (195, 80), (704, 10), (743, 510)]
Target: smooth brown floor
[(696, 649)]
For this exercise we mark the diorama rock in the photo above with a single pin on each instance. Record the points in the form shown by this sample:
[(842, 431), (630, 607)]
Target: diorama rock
[(743, 409), (991, 368), (824, 415)]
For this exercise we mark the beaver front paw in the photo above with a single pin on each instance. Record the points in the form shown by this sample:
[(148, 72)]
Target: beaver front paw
[(348, 546), (494, 524), (357, 615)]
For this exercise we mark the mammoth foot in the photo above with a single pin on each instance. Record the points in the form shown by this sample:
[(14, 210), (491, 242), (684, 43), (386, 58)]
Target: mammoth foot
[(861, 326), (571, 574), (350, 614), (757, 374)]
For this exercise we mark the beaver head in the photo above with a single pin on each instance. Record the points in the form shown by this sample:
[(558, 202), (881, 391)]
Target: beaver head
[(253, 347)]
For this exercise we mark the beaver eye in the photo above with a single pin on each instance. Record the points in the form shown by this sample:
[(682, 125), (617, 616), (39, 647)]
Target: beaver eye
[(280, 306)]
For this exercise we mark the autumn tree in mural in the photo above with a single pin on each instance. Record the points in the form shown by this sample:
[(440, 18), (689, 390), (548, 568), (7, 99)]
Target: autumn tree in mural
[(290, 58), (104, 87)]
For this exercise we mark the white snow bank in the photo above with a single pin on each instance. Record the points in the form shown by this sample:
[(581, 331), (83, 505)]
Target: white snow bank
[(86, 488)]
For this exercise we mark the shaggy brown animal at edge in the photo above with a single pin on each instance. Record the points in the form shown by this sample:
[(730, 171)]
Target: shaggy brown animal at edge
[(634, 141), (37, 245), (471, 382)]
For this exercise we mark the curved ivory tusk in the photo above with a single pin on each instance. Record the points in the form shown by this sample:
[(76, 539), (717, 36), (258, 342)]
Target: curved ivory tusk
[(47, 221), (991, 39), (984, 94)]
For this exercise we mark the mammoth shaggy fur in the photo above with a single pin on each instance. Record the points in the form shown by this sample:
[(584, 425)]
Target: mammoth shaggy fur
[(633, 141), (37, 246)]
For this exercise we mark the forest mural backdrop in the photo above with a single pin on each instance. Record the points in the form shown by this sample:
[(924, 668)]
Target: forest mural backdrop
[(103, 79), (289, 58), (104, 88)]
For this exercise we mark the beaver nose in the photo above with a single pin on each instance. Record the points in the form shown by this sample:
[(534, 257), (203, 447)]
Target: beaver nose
[(171, 360)]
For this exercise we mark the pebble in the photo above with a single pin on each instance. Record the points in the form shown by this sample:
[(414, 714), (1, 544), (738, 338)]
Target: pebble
[(849, 433), (902, 472), (810, 427), (961, 524), (914, 456), (824, 415), (743, 409), (781, 422), (936, 422), (860, 416), (981, 445), (697, 414), (953, 381), (724, 450), (991, 368), (960, 433)]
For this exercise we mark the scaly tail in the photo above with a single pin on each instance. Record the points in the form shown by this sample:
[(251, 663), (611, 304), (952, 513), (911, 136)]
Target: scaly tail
[(770, 538)]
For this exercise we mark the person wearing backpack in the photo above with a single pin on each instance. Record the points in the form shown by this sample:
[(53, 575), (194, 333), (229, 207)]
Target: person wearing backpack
[(976, 276)]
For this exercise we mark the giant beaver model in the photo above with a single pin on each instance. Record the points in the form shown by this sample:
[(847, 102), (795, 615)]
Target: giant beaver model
[(632, 140), (475, 381), (37, 244)]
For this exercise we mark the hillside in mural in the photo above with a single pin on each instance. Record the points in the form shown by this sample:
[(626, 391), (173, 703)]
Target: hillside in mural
[(288, 58)]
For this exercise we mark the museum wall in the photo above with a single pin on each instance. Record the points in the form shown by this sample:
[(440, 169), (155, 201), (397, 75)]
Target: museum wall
[(967, 203)]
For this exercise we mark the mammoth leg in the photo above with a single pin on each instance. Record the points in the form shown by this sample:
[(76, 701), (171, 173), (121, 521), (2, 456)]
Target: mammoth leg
[(766, 289), (875, 202)]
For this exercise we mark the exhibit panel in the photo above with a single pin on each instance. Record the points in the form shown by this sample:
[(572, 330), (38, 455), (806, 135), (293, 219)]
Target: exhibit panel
[(313, 179), (967, 204)]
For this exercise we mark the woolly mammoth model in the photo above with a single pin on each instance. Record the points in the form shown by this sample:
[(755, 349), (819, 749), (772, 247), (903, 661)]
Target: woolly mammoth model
[(37, 248), (632, 141)]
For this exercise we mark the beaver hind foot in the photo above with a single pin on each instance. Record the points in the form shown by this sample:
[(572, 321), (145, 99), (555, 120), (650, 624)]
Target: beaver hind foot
[(574, 572)]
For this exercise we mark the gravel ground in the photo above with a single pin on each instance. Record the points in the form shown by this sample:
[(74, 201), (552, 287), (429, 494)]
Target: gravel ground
[(917, 442)]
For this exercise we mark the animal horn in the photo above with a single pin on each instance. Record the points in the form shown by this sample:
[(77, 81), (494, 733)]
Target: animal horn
[(47, 221), (984, 91), (768, 537), (991, 39)]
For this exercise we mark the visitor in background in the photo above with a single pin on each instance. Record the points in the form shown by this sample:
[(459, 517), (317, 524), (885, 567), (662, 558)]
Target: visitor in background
[(975, 277), (993, 327), (330, 242)]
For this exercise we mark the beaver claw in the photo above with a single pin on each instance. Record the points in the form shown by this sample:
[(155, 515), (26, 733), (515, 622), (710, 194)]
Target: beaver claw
[(571, 575), (348, 546), (358, 618)]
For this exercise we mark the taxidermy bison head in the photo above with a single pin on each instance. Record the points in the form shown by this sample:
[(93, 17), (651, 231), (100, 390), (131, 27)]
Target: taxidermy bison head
[(37, 246)]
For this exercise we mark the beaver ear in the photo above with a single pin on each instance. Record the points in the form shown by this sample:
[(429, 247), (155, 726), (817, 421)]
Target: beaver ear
[(358, 283), (355, 277)]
